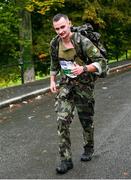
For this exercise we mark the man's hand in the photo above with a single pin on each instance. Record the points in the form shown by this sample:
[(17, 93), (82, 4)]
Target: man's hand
[(77, 69), (53, 87)]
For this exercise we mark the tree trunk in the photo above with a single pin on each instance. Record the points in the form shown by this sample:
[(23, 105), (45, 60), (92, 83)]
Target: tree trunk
[(26, 47), (126, 54)]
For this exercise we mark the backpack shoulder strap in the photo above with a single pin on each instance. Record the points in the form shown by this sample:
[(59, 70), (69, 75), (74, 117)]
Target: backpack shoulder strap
[(79, 46)]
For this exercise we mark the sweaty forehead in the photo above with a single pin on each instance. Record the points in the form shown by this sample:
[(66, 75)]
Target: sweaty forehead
[(60, 22)]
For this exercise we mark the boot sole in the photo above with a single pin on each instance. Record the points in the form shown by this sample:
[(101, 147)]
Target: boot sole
[(89, 159), (63, 172)]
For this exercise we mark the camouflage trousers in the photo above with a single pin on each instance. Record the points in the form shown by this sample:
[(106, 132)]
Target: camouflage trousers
[(73, 95)]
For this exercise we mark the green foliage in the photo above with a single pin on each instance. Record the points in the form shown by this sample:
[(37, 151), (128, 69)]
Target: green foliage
[(9, 23), (42, 6), (9, 75), (108, 17), (42, 33), (116, 32), (111, 17)]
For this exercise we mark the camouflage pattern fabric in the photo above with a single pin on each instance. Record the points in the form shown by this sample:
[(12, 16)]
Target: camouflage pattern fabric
[(85, 50), (80, 95), (77, 92)]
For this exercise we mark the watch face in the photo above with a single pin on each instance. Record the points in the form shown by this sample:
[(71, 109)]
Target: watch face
[(84, 68)]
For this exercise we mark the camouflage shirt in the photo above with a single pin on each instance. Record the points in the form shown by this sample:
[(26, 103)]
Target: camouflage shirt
[(86, 52)]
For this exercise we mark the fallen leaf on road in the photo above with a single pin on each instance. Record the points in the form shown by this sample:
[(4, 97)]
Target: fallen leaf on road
[(44, 151), (24, 102), (125, 173), (47, 116), (104, 88), (14, 106), (11, 105), (38, 97), (30, 101), (30, 117), (3, 119)]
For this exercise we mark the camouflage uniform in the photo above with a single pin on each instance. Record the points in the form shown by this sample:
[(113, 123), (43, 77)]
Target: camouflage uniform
[(75, 92)]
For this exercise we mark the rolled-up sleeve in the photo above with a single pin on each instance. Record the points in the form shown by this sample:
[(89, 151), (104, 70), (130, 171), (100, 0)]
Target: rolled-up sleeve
[(98, 67)]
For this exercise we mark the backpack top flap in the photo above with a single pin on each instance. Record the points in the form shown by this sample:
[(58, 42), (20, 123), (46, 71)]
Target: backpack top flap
[(95, 37)]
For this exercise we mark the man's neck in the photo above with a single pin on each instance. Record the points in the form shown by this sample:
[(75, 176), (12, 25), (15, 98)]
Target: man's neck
[(67, 41)]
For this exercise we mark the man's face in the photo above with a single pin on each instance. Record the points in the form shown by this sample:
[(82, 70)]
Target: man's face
[(62, 27)]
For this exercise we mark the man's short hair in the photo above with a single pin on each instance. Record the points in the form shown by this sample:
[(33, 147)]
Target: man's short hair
[(58, 16)]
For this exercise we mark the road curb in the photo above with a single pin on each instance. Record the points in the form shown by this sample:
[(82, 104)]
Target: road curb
[(23, 97), (47, 89), (119, 68)]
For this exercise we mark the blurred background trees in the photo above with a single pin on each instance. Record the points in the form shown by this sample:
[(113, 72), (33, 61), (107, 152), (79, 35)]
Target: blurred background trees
[(28, 42)]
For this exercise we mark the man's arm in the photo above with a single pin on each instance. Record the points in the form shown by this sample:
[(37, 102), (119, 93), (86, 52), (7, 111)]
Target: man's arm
[(54, 67), (98, 60), (77, 70), (53, 87)]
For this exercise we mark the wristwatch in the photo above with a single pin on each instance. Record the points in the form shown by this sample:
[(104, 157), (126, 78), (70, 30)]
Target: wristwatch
[(85, 68)]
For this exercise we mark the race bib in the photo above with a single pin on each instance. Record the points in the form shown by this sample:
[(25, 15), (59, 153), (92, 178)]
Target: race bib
[(67, 66)]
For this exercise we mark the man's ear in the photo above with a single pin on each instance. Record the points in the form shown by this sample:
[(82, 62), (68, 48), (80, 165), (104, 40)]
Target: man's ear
[(70, 23)]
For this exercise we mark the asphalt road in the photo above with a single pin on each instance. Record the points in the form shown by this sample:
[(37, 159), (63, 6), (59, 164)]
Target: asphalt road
[(28, 138)]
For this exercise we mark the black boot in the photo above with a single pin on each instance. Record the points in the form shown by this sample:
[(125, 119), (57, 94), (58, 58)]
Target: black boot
[(88, 153), (64, 166)]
